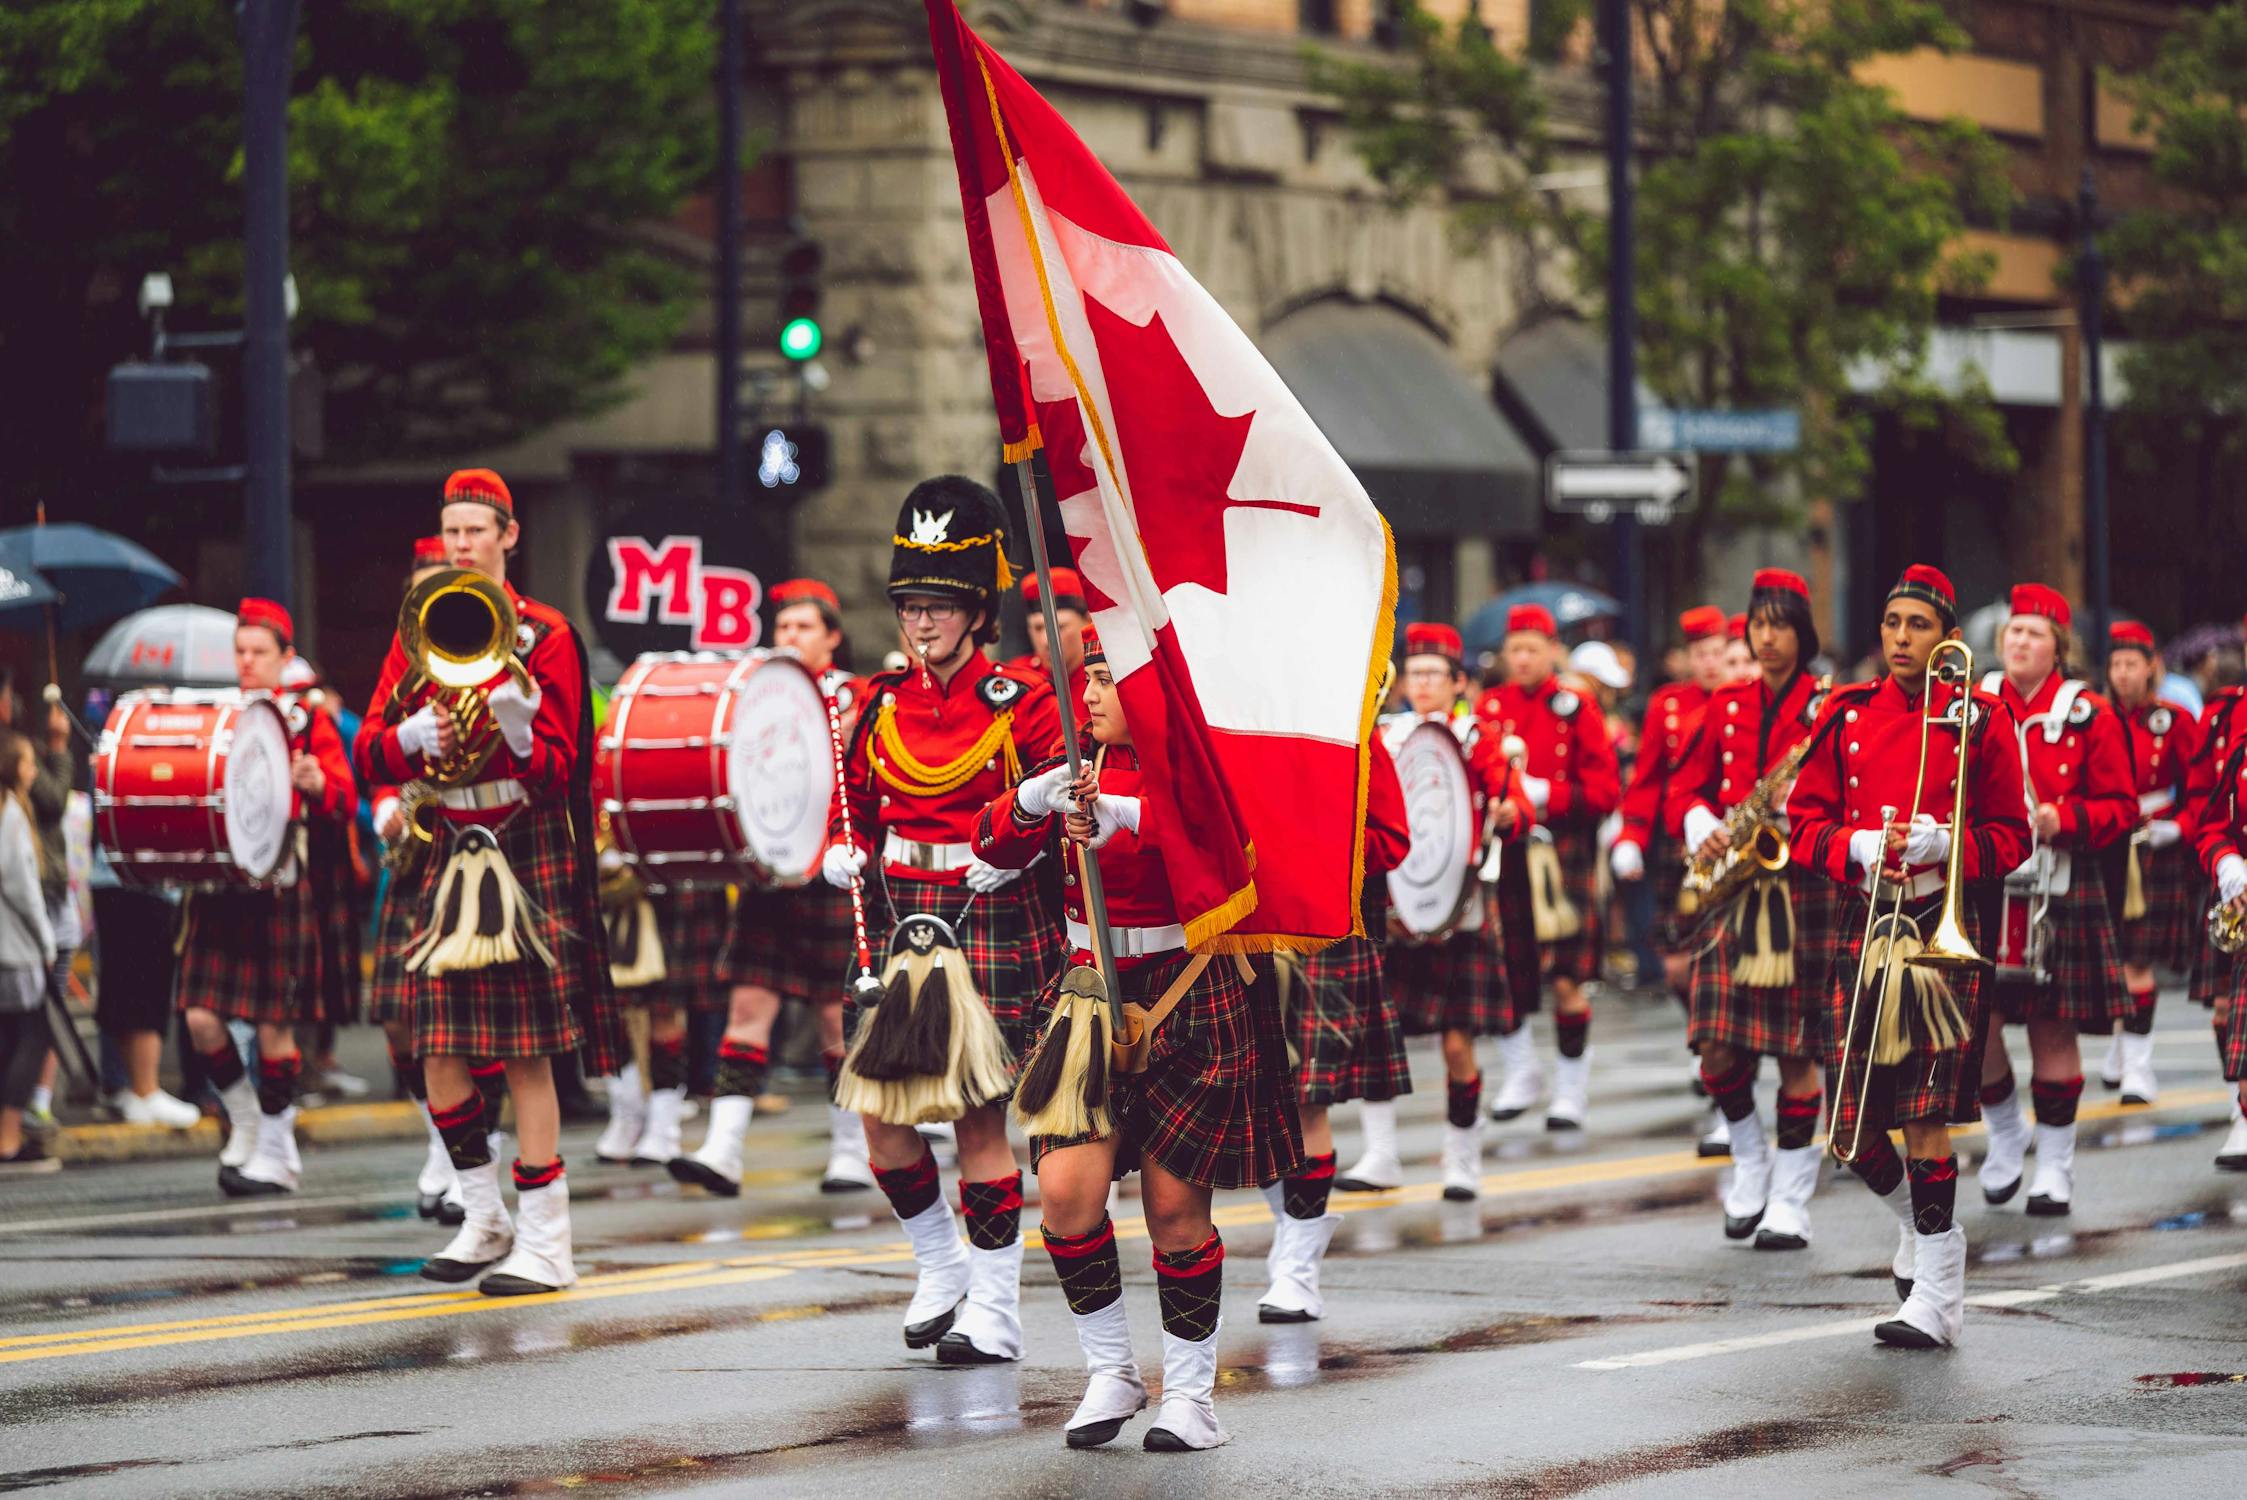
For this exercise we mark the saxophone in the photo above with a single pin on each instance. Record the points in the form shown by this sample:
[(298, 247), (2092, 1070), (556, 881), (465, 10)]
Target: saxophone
[(2227, 927), (1758, 845)]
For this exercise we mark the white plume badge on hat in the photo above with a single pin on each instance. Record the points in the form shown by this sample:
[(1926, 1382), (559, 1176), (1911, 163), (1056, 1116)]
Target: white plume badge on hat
[(1598, 661)]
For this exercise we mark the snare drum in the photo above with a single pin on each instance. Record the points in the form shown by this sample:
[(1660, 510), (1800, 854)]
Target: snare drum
[(1432, 894), (192, 789), (718, 769), (2021, 930)]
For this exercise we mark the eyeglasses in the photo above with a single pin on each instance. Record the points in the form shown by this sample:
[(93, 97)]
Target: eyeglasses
[(935, 614)]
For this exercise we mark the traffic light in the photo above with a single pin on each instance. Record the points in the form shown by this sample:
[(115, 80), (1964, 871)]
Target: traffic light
[(800, 333)]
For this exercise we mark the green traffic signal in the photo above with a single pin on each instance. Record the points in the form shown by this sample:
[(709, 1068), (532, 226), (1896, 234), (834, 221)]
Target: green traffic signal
[(800, 338)]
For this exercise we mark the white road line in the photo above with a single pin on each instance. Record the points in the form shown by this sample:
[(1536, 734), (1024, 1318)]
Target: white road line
[(2020, 1297), (269, 1207)]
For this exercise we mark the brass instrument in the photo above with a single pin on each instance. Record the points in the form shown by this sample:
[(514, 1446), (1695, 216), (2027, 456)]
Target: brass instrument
[(417, 801), (457, 628), (1755, 843), (2227, 927), (1949, 950)]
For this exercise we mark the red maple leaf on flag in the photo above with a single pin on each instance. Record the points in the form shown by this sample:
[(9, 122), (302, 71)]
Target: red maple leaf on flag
[(1180, 452)]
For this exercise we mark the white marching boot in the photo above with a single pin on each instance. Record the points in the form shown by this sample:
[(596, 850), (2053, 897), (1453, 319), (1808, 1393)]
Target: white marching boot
[(1572, 1091), (2000, 1174), (716, 1163), (941, 1258), (485, 1234), (628, 1114), (2052, 1190), (1523, 1082), (540, 1261), (2110, 1066), (2139, 1086), (659, 1137), (1903, 1266), (242, 1116), (1716, 1134), (848, 1168), (988, 1330), (1187, 1419), (435, 1184), (1934, 1315), (274, 1167), (1114, 1394), (2231, 1156), (1748, 1195), (1786, 1218), (1378, 1167), (1462, 1162), (1298, 1250)]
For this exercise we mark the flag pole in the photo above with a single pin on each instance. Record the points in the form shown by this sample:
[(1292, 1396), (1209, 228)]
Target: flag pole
[(1095, 903)]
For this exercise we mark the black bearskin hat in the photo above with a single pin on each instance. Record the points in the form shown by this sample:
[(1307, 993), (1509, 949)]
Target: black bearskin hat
[(951, 541)]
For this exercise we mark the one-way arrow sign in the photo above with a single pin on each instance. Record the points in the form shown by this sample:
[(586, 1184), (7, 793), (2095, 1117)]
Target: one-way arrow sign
[(1597, 485)]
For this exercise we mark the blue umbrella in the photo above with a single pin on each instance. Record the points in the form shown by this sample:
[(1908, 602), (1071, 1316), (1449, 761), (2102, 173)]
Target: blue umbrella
[(1571, 604), (100, 576), (24, 594)]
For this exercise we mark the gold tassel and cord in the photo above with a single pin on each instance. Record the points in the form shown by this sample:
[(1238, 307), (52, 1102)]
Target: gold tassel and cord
[(2134, 889), (483, 916), (1915, 1003), (898, 766), (1064, 1090), (1555, 916)]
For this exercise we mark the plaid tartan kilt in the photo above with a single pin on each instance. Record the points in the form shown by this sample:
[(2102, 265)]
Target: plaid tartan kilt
[(2080, 951), (1347, 1040), (2211, 975), (1013, 949), (1216, 1105), (524, 1008), (253, 955), (1674, 931), (1458, 984), (694, 924), (2231, 1037), (1781, 1021), (335, 896), (1931, 1083), (396, 919), (2171, 931), (798, 942), (1577, 957)]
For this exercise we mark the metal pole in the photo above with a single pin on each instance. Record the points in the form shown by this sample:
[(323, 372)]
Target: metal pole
[(1622, 312), (268, 34), (2092, 272), (1095, 903), (730, 475)]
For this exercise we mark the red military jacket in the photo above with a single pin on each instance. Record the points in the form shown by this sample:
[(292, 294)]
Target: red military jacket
[(2082, 766), (316, 735), (1567, 745), (908, 767), (1743, 733), (2217, 795), (549, 652), (1388, 836), (1672, 715), (1869, 762), (2164, 738), (1132, 875)]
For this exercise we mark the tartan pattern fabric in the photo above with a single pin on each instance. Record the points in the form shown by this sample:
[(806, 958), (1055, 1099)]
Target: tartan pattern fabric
[(253, 955), (2231, 1042), (335, 898), (2086, 985), (2170, 933), (1013, 949), (1348, 1043), (1215, 1106), (520, 1009), (1577, 957), (2211, 975), (1665, 867), (694, 924), (800, 942), (1786, 1021), (1458, 984), (1942, 1084), (395, 919)]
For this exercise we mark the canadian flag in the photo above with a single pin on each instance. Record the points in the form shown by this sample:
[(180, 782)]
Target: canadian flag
[(1243, 584)]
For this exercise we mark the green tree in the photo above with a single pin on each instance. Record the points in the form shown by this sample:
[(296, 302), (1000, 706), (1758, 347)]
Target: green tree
[(470, 183), (1794, 227)]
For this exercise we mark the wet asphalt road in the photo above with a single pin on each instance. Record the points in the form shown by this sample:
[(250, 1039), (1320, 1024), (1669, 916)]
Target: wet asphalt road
[(1584, 1327)]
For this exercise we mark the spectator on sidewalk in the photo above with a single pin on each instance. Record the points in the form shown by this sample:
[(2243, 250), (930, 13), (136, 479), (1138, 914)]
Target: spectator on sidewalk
[(27, 955), (134, 935)]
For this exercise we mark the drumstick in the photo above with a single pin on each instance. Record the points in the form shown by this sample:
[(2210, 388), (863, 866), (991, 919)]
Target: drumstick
[(842, 796)]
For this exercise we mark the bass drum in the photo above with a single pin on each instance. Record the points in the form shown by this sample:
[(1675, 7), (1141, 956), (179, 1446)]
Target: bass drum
[(1432, 892), (192, 789), (718, 769)]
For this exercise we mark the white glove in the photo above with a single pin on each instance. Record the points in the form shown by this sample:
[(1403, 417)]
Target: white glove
[(1109, 813), (841, 865), (1540, 792), (2162, 832), (513, 711), (1628, 860), (1865, 848), (1041, 796), (1699, 824), (417, 733), (612, 860), (2231, 879), (1928, 843), (983, 877), (383, 812)]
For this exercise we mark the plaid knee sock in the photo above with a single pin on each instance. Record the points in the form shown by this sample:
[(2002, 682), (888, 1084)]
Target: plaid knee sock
[(1732, 1091), (1303, 1196), (467, 1141), (408, 1068), (1461, 1100), (993, 1211), (224, 1067), (490, 1078), (1879, 1165), (1190, 1285), (1994, 1094), (1090, 1272), (667, 1062), (1798, 1120), (742, 1067), (2056, 1099), (1573, 1033), (528, 1179), (2140, 1020), (912, 1190), (1934, 1194), (276, 1082)]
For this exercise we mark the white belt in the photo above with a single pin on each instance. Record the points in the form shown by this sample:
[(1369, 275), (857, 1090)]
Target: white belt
[(482, 795), (912, 854), (2154, 804), (1925, 883), (1129, 942)]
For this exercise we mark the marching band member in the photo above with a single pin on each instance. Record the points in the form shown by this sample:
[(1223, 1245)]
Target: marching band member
[(936, 741), (2164, 737), (1571, 778), (1070, 609), (692, 923), (1350, 1046), (795, 942), (529, 981), (2082, 799), (255, 955), (1740, 664), (1456, 988), (1873, 815), (2218, 828), (1763, 961), (1211, 1109)]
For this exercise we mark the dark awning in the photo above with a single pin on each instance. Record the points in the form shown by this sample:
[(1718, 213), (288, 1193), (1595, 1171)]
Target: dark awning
[(1428, 446), (1552, 385)]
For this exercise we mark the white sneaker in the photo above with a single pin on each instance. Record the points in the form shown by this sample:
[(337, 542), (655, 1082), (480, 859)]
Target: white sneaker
[(988, 1330), (1786, 1217), (2053, 1189), (1462, 1162), (1378, 1167), (1748, 1194), (275, 1167), (2139, 1086), (158, 1109), (1934, 1315), (660, 1139), (848, 1169), (1115, 1393), (2110, 1066), (1716, 1134), (541, 1260), (1298, 1250), (628, 1113), (716, 1163), (1187, 1420), (1523, 1082), (2000, 1174), (2231, 1156), (485, 1235), (941, 1258), (1572, 1089), (242, 1117)]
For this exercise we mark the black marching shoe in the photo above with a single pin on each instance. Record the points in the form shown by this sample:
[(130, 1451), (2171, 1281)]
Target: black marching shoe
[(921, 1335), (1773, 1239), (1096, 1434), (1739, 1228), (1898, 1334), (959, 1349)]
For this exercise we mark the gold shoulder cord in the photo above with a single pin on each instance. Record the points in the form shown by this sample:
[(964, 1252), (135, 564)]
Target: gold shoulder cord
[(909, 774)]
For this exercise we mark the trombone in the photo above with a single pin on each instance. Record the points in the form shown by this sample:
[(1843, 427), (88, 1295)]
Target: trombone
[(457, 628), (1949, 950)]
